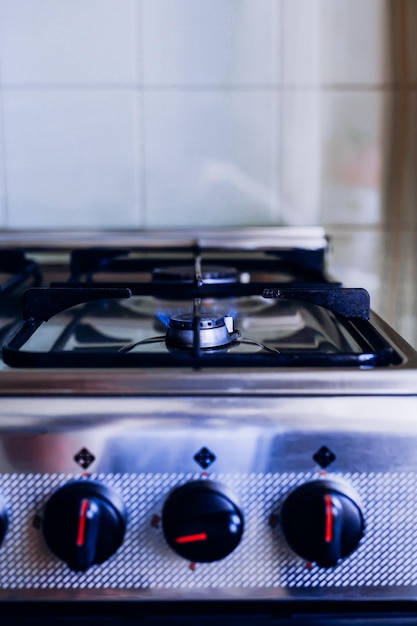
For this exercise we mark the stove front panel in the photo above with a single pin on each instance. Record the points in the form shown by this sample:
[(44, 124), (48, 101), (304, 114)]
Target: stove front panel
[(256, 452)]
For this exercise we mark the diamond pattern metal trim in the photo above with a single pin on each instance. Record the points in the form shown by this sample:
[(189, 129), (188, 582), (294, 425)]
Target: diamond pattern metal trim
[(262, 560)]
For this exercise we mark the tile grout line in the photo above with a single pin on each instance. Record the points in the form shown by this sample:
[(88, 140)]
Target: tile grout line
[(320, 193), (279, 116), (140, 131), (207, 87), (4, 207)]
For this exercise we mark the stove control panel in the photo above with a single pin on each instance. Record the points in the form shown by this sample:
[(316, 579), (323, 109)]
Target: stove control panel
[(202, 498), (166, 532)]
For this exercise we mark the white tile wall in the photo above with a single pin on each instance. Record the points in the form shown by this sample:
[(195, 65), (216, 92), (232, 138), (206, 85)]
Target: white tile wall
[(220, 42), (210, 73), (3, 190), (228, 111), (300, 127), (355, 137), (301, 32), (211, 157), (62, 42), (355, 41), (301, 158), (71, 158)]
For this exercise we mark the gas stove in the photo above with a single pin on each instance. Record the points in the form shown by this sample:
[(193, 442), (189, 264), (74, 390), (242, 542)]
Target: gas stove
[(201, 417)]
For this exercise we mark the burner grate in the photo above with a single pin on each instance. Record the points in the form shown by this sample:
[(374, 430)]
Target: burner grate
[(42, 304), (297, 266)]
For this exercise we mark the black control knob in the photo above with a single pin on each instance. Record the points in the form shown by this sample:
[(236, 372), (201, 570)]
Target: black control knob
[(322, 521), (84, 523), (201, 521)]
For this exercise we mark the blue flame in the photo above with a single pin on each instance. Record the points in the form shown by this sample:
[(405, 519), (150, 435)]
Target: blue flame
[(164, 318)]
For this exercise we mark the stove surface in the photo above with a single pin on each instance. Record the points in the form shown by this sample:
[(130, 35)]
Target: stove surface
[(254, 311), (201, 417)]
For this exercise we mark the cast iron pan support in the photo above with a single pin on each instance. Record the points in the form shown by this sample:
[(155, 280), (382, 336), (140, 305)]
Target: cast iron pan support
[(348, 303), (42, 303)]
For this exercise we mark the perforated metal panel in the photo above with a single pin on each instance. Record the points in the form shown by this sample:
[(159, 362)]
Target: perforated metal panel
[(385, 557)]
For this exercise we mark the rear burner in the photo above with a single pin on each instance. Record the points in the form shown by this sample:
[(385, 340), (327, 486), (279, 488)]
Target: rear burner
[(210, 332), (210, 275)]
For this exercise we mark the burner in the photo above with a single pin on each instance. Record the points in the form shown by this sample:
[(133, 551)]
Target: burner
[(213, 332), (211, 275)]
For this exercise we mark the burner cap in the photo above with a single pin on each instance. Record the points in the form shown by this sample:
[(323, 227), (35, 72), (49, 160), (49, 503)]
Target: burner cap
[(214, 332), (211, 274)]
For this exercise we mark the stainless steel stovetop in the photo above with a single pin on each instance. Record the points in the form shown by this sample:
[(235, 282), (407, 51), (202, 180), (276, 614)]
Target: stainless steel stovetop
[(204, 417)]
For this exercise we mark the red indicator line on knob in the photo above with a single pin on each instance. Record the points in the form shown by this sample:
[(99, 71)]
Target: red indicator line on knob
[(328, 524), (192, 538), (81, 522)]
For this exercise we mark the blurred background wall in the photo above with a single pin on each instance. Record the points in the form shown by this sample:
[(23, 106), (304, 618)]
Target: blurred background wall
[(163, 113)]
